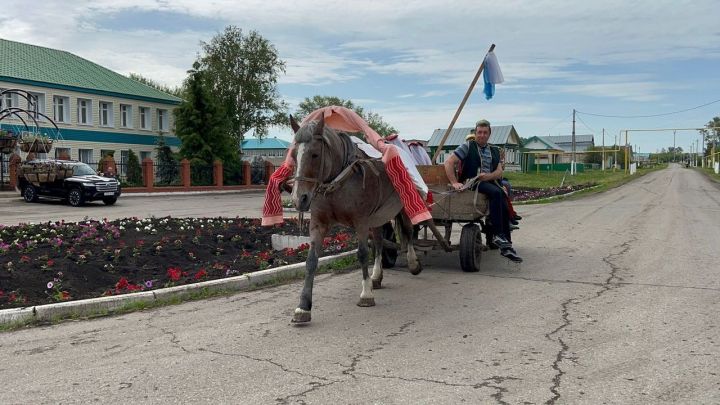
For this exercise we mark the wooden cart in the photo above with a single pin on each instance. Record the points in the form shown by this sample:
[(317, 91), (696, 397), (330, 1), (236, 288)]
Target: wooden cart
[(467, 208)]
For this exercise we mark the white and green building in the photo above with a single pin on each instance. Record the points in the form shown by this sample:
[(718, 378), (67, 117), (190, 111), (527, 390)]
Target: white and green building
[(96, 110)]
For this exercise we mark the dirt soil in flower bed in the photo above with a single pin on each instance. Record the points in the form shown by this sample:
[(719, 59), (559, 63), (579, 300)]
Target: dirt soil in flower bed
[(524, 194), (57, 261)]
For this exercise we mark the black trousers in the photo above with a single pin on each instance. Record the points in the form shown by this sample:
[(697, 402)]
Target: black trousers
[(499, 216)]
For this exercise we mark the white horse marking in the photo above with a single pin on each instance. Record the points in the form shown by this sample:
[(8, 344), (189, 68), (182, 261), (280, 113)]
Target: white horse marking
[(298, 168)]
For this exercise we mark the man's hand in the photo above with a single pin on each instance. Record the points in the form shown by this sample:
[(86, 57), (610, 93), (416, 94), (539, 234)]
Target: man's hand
[(456, 185)]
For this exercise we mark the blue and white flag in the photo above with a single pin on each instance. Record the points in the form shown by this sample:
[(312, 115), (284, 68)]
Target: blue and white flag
[(492, 75)]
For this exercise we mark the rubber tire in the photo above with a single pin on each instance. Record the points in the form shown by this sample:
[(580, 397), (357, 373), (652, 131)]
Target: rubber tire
[(76, 202), (389, 256), (30, 193), (471, 248), (110, 201)]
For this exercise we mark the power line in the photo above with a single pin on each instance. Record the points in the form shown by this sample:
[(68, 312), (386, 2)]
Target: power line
[(649, 116), (587, 126)]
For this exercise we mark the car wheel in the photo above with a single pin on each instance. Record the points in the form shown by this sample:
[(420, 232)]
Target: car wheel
[(30, 193), (75, 197), (110, 201)]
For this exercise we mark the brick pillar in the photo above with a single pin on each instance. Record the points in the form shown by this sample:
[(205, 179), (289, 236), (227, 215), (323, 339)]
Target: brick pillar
[(14, 164), (245, 173), (269, 169), (185, 172), (218, 173), (148, 173)]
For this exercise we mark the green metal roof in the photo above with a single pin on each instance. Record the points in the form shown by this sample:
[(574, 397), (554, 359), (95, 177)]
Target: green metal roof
[(35, 65), (266, 143)]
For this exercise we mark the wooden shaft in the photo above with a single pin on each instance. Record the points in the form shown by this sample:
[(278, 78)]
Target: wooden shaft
[(460, 108)]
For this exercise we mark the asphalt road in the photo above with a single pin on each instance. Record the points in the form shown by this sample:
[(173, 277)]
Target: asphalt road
[(617, 302)]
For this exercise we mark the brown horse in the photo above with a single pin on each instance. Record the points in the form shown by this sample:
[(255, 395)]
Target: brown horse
[(339, 185)]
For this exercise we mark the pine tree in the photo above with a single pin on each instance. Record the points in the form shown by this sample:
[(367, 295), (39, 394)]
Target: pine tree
[(134, 171), (167, 166), (201, 124)]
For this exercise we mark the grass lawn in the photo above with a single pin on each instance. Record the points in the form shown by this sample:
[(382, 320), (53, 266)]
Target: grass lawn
[(604, 179)]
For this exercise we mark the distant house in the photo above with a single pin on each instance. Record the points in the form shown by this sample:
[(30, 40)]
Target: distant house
[(271, 149), (582, 143), (505, 136), (541, 150)]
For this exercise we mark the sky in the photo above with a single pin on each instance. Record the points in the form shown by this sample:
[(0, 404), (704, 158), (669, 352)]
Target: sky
[(412, 61)]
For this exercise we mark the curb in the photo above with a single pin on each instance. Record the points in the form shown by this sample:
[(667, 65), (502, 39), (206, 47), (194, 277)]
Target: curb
[(49, 312)]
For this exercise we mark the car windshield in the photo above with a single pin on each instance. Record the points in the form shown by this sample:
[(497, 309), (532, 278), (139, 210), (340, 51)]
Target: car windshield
[(83, 170)]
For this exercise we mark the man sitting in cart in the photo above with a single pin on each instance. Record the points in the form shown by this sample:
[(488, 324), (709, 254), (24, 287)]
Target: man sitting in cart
[(481, 170)]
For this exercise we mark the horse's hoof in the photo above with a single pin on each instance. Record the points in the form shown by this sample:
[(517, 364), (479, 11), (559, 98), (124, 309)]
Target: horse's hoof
[(366, 302), (377, 284), (301, 316), (417, 269)]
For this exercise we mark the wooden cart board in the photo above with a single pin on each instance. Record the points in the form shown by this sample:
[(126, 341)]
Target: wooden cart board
[(460, 206)]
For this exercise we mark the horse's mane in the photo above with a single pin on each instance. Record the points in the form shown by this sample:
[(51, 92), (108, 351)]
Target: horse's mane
[(339, 140)]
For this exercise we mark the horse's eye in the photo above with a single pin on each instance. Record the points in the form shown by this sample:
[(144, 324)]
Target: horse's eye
[(314, 155)]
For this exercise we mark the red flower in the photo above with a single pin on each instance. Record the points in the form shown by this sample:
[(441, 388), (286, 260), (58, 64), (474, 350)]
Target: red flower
[(64, 296), (134, 287), (264, 256), (50, 262), (200, 274), (121, 284), (174, 273), (25, 259), (245, 254)]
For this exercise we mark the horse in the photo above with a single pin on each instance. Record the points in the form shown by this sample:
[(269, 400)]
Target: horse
[(340, 185)]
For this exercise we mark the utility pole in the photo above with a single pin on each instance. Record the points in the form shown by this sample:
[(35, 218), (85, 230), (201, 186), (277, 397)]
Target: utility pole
[(603, 149), (697, 151), (627, 152), (703, 150), (572, 160), (674, 148), (615, 147)]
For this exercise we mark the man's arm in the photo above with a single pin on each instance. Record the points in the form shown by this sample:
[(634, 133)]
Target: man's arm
[(450, 171)]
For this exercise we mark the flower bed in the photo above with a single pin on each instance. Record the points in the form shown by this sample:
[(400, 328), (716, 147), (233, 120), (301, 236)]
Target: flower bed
[(58, 261), (525, 194)]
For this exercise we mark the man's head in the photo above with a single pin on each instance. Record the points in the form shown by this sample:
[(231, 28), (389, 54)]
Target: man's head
[(482, 132)]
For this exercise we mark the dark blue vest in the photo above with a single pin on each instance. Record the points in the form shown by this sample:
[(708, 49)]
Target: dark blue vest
[(471, 163)]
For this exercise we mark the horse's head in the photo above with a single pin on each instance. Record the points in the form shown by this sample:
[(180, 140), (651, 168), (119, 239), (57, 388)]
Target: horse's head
[(318, 159)]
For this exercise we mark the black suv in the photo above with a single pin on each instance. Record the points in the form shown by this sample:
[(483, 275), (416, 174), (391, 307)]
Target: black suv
[(82, 186)]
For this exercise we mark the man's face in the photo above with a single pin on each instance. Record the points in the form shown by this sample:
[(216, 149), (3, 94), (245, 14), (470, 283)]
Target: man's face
[(482, 134)]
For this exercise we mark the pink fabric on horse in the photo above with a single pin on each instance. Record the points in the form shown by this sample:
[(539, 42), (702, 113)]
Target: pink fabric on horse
[(344, 119)]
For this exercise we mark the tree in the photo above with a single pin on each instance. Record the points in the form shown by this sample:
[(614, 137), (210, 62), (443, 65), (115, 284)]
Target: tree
[(167, 167), (134, 171), (374, 120), (177, 91), (201, 123), (242, 70), (711, 134)]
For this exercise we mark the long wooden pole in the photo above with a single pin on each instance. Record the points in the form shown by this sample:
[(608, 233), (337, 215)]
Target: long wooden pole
[(460, 108)]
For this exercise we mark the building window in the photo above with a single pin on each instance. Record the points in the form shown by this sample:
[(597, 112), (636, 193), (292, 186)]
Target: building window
[(145, 118), (62, 153), (61, 109), (84, 110), (85, 155), (122, 167), (126, 116), (8, 100), (38, 104), (162, 120), (106, 114)]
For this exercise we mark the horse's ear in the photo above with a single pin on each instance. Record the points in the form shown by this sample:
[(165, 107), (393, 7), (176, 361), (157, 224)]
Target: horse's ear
[(294, 124), (320, 125)]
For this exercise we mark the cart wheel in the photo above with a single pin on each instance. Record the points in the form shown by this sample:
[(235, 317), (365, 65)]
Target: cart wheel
[(470, 248), (389, 256)]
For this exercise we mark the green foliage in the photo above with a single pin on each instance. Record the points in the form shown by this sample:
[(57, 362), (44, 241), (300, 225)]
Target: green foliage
[(201, 124), (242, 71), (177, 91), (374, 120), (167, 165), (134, 171), (712, 133)]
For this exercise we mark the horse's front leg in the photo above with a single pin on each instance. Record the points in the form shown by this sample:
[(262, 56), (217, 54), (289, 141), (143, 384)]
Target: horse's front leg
[(317, 233), (367, 299), (377, 273)]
